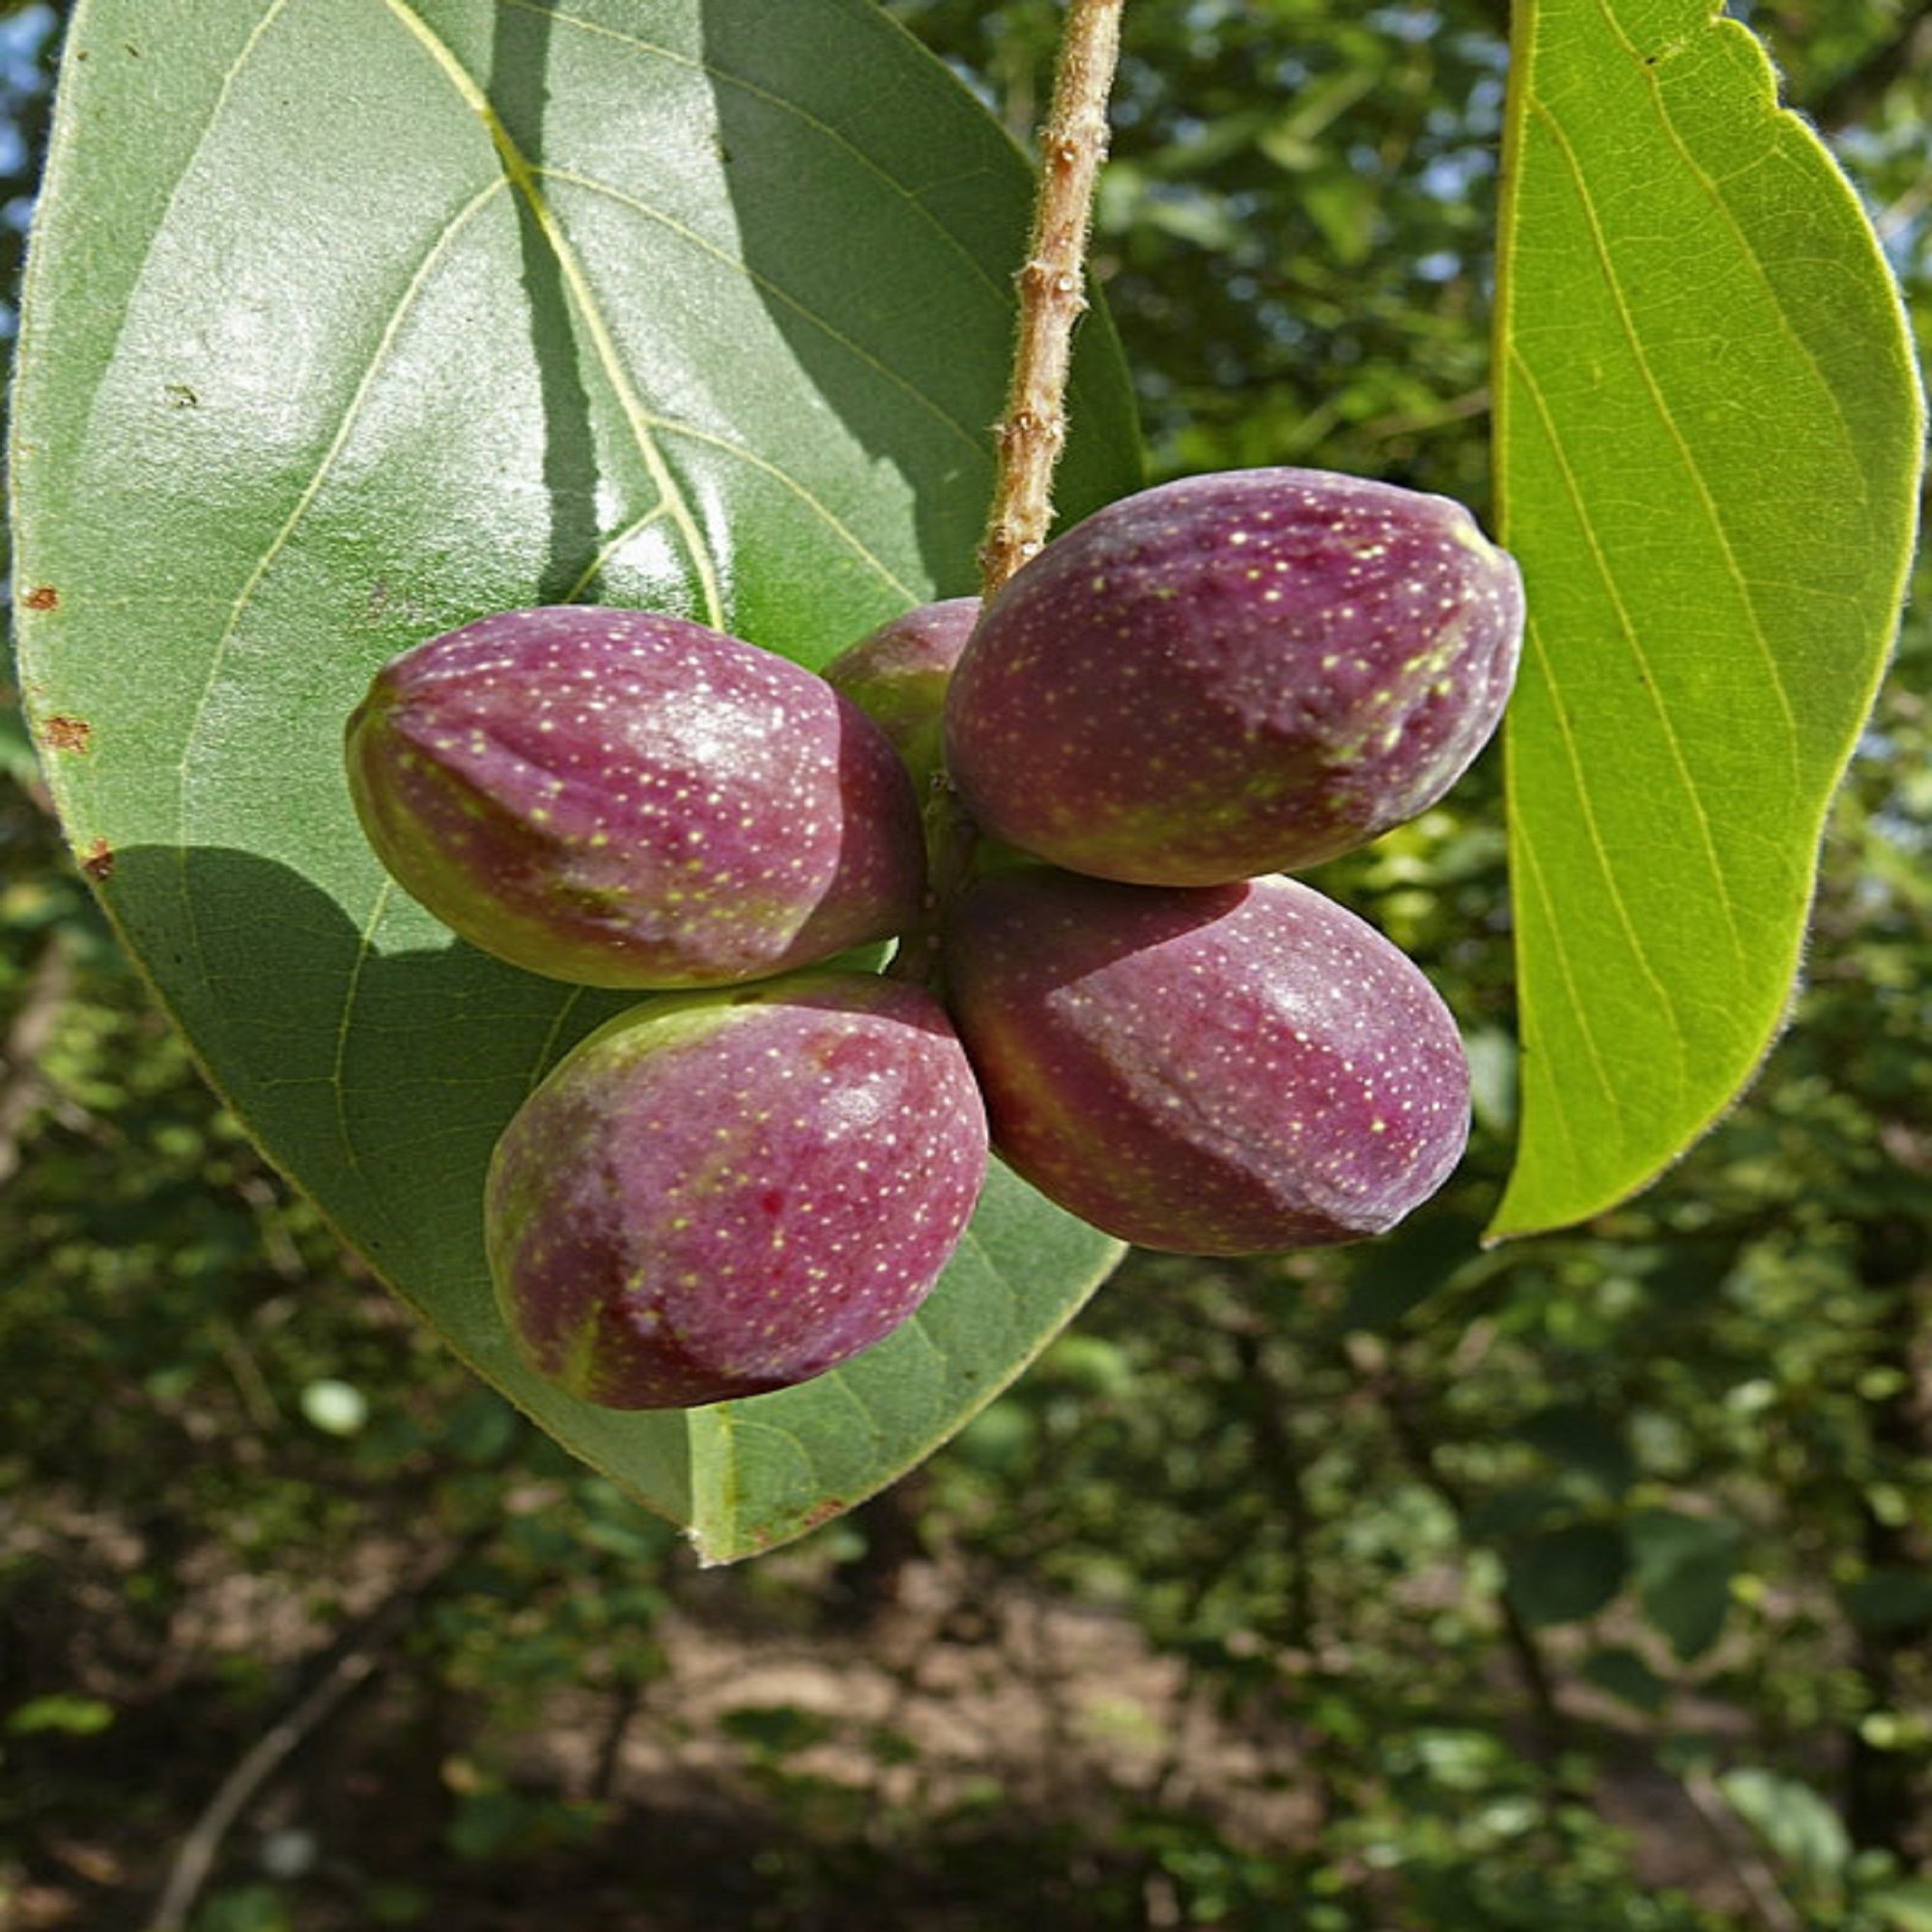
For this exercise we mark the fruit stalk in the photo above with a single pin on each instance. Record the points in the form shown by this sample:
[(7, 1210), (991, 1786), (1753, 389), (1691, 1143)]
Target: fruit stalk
[(1051, 300), (1032, 427)]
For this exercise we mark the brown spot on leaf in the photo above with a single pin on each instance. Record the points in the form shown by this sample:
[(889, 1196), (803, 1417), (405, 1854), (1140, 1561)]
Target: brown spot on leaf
[(98, 864), (823, 1511), (67, 734), (41, 597)]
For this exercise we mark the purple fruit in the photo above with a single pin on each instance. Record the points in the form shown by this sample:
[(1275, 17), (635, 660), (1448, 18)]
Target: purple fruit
[(620, 799), (718, 1194), (898, 675), (1233, 674), (1213, 1070)]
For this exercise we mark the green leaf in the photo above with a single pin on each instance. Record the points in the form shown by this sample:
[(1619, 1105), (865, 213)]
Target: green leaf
[(1512, 1511), (1906, 1905), (1624, 1675), (244, 1908), (1708, 441), (1567, 1573), (776, 1731), (63, 1711), (1891, 1598), (1683, 1566), (1798, 1825), (701, 305), (1425, 1256), (1586, 1442)]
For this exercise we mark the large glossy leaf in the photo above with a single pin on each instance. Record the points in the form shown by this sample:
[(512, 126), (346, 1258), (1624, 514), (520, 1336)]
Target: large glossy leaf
[(350, 319), (1708, 441)]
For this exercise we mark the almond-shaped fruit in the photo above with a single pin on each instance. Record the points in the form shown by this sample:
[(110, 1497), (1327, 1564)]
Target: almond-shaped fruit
[(1233, 674), (621, 799), (1211, 1069), (719, 1194)]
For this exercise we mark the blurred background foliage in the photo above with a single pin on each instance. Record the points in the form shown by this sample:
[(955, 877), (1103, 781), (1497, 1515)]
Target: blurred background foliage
[(1585, 1583)]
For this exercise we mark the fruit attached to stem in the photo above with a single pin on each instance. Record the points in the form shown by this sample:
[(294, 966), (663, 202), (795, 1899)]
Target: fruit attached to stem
[(1233, 674)]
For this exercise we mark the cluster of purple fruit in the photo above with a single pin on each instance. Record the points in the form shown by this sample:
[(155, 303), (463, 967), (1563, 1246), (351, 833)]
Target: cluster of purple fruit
[(1204, 687)]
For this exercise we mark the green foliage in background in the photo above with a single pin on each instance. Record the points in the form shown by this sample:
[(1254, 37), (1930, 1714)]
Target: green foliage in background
[(1581, 1582)]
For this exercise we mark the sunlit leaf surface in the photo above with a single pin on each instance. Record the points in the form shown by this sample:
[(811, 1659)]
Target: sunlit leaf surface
[(1708, 449)]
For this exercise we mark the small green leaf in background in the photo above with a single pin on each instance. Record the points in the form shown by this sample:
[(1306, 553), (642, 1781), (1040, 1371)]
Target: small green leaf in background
[(1683, 1565), (696, 305), (1906, 1906), (1423, 1257), (244, 1908), (1808, 1836), (1891, 1598), (1624, 1675), (1565, 1575), (62, 1711), (1708, 445), (1591, 1444)]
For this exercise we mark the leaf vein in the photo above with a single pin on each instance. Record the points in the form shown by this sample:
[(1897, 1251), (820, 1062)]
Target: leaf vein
[(345, 1026), (912, 196), (1627, 624), (973, 439), (1626, 319), (522, 176)]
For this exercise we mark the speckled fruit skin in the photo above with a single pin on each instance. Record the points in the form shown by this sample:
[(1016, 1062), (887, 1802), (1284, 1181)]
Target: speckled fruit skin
[(1233, 674), (898, 673), (621, 799), (1211, 1070), (718, 1194)]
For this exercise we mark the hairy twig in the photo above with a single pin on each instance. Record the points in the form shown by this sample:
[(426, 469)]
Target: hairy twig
[(1051, 287), (1033, 430)]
